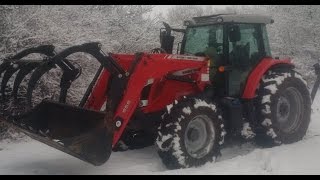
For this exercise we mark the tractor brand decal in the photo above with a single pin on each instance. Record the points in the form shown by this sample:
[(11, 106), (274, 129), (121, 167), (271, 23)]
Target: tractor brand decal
[(192, 58), (205, 77), (184, 72), (126, 106)]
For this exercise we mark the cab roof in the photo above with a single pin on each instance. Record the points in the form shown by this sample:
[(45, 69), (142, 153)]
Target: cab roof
[(229, 18)]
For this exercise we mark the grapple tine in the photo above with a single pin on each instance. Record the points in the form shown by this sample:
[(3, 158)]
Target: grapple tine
[(9, 70), (7, 75), (36, 75), (3, 67), (47, 50), (21, 74)]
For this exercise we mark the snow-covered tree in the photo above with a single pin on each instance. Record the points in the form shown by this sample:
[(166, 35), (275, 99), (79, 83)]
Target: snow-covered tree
[(296, 34), (120, 29), (177, 14)]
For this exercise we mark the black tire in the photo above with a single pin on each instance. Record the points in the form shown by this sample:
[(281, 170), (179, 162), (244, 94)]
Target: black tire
[(283, 108), (174, 140)]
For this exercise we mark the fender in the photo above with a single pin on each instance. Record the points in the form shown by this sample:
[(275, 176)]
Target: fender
[(256, 75)]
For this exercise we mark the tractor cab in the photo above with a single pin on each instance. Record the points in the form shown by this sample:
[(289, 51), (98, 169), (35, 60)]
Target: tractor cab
[(235, 42)]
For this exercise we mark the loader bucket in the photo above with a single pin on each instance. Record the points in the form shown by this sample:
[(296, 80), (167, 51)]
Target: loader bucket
[(76, 131)]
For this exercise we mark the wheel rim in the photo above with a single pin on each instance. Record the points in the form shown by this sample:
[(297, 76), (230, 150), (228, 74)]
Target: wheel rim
[(289, 109), (199, 136)]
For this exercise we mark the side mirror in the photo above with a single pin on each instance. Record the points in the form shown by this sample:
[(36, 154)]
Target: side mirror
[(234, 33), (166, 42), (166, 39)]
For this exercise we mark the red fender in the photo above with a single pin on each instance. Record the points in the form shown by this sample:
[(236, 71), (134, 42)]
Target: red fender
[(256, 75)]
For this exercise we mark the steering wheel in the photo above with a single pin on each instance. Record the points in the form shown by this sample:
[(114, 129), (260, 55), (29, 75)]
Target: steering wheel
[(158, 51), (219, 47)]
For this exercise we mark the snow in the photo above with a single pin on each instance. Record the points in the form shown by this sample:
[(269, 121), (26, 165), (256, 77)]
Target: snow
[(177, 152), (202, 103), (278, 79), (222, 141), (163, 139), (265, 99), (169, 108), (168, 125), (32, 157), (247, 131), (223, 133), (267, 122), (271, 133), (301, 78), (178, 127), (272, 87), (187, 110), (180, 118), (166, 137), (266, 110)]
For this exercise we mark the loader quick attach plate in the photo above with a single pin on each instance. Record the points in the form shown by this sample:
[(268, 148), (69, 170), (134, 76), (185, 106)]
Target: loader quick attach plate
[(76, 131)]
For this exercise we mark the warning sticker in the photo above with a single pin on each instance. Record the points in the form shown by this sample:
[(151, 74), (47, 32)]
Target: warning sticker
[(182, 57)]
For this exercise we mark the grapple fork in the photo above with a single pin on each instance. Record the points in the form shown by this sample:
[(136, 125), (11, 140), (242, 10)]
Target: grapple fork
[(80, 132)]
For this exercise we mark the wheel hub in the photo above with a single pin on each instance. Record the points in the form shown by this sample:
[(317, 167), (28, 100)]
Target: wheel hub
[(289, 109), (283, 109), (199, 136), (193, 134)]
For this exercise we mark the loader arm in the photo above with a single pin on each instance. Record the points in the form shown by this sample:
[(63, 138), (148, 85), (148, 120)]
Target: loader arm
[(150, 67)]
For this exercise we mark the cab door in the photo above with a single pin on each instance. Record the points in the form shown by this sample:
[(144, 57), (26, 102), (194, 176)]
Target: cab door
[(244, 50)]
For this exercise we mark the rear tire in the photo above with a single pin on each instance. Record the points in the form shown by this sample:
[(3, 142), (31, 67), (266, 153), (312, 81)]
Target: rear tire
[(190, 134), (284, 108)]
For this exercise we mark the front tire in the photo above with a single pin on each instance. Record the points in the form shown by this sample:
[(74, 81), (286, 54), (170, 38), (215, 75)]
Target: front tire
[(190, 134), (284, 108)]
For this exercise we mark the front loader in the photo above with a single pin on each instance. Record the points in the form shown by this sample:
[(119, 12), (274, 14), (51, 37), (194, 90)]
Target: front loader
[(223, 81)]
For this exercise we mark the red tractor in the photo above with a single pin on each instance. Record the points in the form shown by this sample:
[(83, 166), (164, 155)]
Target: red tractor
[(222, 81)]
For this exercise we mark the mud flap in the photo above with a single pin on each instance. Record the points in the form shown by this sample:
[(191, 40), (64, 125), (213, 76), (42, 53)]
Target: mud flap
[(79, 132)]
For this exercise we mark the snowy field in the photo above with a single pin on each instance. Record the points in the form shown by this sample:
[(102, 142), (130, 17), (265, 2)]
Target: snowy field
[(32, 157)]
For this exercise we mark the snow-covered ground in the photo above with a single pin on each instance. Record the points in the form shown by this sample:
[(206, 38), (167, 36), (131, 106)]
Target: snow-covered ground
[(32, 157)]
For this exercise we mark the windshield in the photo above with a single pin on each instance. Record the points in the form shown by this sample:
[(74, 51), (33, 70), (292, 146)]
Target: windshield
[(200, 39)]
